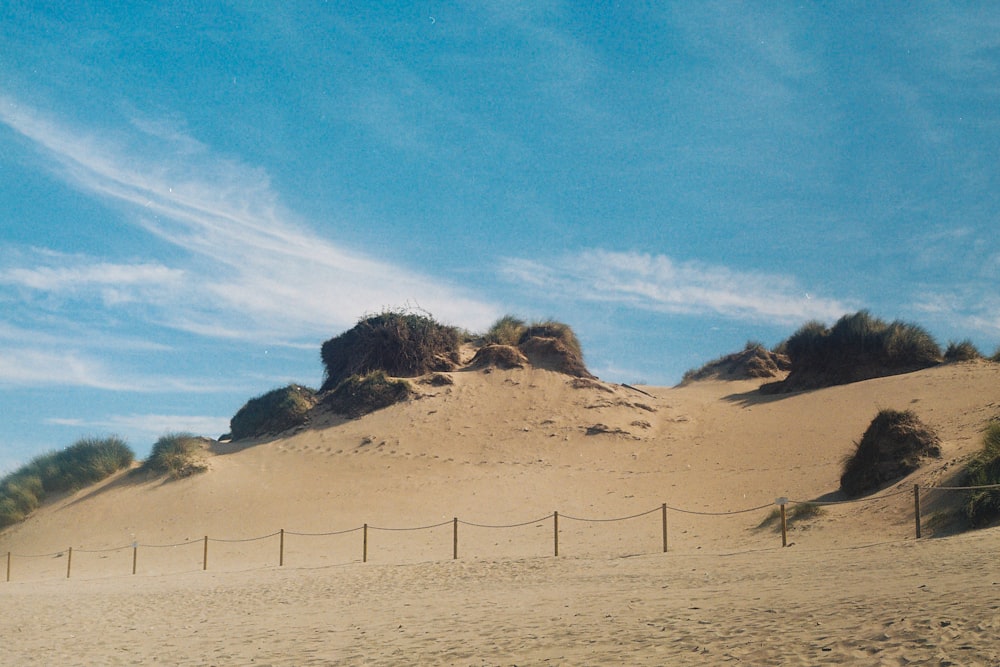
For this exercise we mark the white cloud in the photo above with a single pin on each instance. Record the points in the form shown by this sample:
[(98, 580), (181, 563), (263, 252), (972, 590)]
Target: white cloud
[(38, 367), (150, 426), (250, 264), (661, 284)]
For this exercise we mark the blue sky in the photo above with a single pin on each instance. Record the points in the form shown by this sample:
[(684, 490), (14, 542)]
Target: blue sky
[(194, 195)]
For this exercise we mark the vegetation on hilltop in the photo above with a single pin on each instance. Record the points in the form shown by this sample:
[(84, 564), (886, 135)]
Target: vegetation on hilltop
[(753, 361), (87, 461), (891, 447), (177, 455), (360, 394), (273, 412), (858, 347), (403, 344), (963, 351)]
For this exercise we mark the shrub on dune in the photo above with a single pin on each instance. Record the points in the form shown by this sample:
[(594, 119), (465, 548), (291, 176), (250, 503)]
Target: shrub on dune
[(505, 331), (891, 447), (360, 394), (857, 347), (273, 412), (403, 344), (963, 351), (87, 461), (983, 505), (177, 455)]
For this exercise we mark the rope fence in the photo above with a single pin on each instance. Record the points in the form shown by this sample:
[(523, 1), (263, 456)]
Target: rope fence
[(455, 522)]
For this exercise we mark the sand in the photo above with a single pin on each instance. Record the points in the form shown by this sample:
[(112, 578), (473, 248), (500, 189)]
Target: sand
[(508, 447)]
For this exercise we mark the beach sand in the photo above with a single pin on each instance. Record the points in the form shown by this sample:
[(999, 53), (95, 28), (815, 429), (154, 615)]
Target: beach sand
[(854, 586)]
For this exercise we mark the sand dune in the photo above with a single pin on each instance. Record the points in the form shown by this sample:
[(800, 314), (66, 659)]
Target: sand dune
[(509, 447)]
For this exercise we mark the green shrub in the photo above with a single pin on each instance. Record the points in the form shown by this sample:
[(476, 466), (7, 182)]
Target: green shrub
[(360, 394), (505, 331), (402, 344), (963, 351), (553, 329), (177, 455), (996, 356), (890, 448), (753, 361), (983, 505), (87, 461), (857, 347), (273, 412)]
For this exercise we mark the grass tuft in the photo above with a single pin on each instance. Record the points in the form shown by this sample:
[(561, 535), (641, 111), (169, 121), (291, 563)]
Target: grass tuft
[(274, 412), (177, 455), (505, 331), (87, 461), (360, 394), (963, 351), (983, 505), (857, 347), (891, 447)]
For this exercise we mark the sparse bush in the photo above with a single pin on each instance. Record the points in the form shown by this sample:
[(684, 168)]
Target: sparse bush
[(505, 331), (890, 448), (996, 356), (177, 455), (274, 412), (857, 347), (753, 361), (87, 461), (400, 343), (360, 394), (983, 505), (553, 329), (963, 351)]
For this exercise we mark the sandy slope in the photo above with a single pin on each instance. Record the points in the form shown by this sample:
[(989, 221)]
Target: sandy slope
[(508, 447)]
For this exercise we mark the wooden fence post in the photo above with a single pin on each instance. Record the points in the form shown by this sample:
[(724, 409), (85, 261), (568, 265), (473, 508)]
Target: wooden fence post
[(8, 566), (916, 507), (281, 549), (204, 558), (555, 532), (784, 523), (69, 562), (364, 552), (454, 540), (135, 555), (664, 511)]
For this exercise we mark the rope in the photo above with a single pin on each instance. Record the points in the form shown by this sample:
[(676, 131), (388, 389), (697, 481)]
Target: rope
[(249, 539), (749, 509), (101, 551), (959, 488), (51, 555), (398, 530), (336, 532), (623, 518), (848, 502), (167, 546), (511, 525)]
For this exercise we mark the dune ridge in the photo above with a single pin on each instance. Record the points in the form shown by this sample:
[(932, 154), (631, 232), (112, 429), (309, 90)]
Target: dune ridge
[(510, 446)]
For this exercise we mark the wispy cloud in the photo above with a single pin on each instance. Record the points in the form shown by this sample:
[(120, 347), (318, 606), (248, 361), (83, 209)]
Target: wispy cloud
[(149, 426), (249, 263), (661, 284), (38, 367)]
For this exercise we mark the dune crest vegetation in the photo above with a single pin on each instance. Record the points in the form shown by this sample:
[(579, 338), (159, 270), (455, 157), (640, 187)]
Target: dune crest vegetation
[(87, 461), (177, 455), (857, 347), (893, 446), (400, 343)]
